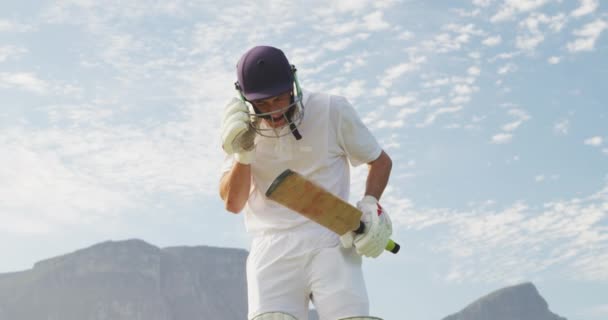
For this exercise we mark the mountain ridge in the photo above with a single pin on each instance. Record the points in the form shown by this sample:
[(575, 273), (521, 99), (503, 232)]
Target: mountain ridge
[(132, 279)]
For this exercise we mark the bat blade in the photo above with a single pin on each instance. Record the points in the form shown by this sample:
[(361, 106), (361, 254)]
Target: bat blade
[(303, 196)]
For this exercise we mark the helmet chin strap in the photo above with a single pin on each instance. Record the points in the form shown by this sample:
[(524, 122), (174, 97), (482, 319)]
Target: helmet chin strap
[(295, 131), (297, 90), (289, 114), (292, 126)]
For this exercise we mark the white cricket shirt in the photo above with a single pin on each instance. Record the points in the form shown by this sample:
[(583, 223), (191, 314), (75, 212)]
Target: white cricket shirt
[(332, 135)]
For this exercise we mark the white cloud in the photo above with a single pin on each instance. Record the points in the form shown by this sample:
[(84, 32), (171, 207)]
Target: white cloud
[(586, 7), (474, 71), (83, 171), (492, 41), (63, 196), (360, 22), (436, 101), (379, 92), (482, 3), (468, 14), (507, 68), (30, 82), (8, 52), (406, 35), (521, 116), (475, 55), (468, 29), (502, 138), (529, 42), (509, 128), (532, 34), (561, 127), (375, 21), (355, 61), (388, 124), (462, 89), (5, 25), (339, 45), (11, 26), (399, 70), (24, 81), (597, 311), (594, 141), (430, 119), (406, 112), (587, 36), (453, 39), (457, 100), (484, 243), (351, 6), (401, 100), (542, 178), (448, 42), (510, 8), (344, 28), (553, 60), (353, 89), (436, 83), (505, 56)]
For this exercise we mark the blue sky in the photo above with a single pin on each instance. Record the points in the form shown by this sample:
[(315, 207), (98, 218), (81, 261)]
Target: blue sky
[(494, 112)]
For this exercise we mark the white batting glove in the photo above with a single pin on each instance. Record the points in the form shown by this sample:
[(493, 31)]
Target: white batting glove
[(347, 239), (378, 228), (237, 134)]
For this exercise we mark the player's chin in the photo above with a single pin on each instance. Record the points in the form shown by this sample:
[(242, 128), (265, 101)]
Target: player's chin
[(276, 123)]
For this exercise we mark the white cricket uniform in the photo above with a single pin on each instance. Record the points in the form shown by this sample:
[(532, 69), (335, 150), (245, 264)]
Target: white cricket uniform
[(291, 256)]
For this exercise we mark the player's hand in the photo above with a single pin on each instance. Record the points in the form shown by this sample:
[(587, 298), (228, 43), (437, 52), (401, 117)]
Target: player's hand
[(378, 228), (347, 239), (237, 133)]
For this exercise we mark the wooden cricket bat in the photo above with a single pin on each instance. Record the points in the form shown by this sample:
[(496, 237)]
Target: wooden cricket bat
[(303, 196)]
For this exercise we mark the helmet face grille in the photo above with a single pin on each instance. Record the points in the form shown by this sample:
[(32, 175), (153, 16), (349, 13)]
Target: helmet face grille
[(292, 114)]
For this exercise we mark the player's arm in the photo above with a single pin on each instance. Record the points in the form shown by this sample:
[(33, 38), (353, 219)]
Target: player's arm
[(235, 186), (378, 227), (359, 143), (377, 177), (238, 139)]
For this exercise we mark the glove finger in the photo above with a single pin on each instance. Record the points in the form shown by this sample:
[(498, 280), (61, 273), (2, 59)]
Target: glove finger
[(246, 140), (376, 252), (347, 240), (230, 137), (235, 106), (236, 117), (370, 249)]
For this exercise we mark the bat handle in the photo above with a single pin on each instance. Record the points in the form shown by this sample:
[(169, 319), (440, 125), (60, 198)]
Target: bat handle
[(391, 246)]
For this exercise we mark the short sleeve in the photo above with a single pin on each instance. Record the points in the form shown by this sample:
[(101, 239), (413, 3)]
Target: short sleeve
[(355, 139), (227, 164)]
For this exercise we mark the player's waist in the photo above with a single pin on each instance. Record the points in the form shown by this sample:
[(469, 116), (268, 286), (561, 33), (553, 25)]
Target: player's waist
[(307, 231)]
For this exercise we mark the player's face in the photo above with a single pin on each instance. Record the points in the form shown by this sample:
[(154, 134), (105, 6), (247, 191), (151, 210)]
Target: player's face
[(274, 106)]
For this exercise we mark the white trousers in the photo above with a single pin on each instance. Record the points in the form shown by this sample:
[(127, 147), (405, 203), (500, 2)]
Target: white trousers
[(285, 269)]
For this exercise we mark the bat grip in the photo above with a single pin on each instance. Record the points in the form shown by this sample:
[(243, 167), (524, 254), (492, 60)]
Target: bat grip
[(391, 246), (361, 228)]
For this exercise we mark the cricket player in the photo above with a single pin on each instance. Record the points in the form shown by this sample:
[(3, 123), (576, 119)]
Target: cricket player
[(273, 125)]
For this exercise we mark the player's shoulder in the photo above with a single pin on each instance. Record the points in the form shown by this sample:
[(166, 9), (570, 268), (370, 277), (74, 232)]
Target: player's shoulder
[(325, 100)]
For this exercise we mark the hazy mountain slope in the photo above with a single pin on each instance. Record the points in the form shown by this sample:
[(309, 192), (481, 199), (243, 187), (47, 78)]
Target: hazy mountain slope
[(520, 302), (129, 280)]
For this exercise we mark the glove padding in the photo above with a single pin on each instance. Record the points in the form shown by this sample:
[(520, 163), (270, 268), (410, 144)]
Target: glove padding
[(237, 133), (378, 229)]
